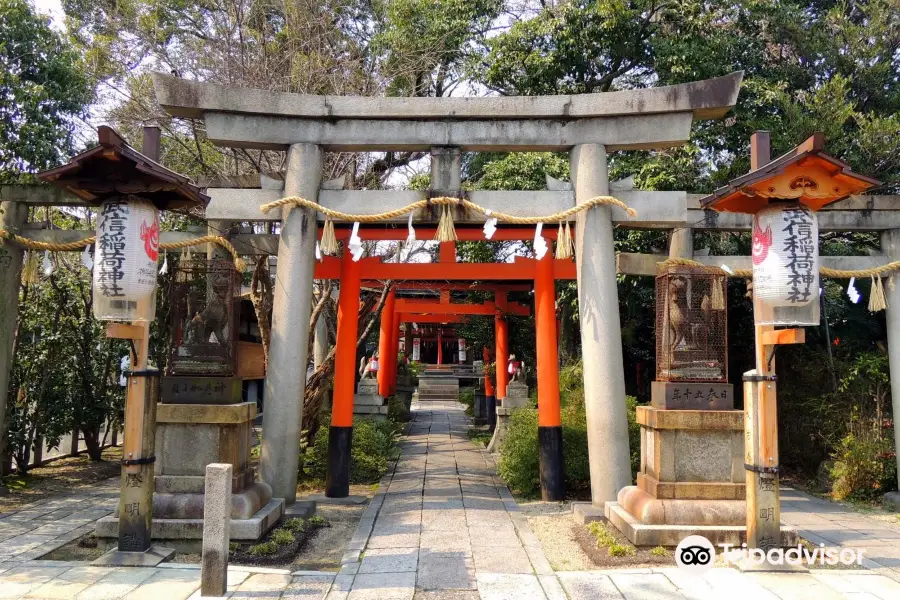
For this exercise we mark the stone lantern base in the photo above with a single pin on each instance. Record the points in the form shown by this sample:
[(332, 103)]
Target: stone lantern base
[(189, 437), (691, 480)]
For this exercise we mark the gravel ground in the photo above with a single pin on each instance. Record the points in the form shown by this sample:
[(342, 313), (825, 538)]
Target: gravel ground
[(552, 523)]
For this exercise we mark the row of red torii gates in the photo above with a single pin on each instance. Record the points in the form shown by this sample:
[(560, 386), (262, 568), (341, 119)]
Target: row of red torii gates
[(500, 278)]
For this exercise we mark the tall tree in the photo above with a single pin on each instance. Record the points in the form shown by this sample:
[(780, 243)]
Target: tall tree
[(42, 91)]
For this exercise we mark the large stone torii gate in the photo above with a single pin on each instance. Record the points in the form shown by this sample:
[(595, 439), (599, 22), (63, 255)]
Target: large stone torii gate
[(588, 126)]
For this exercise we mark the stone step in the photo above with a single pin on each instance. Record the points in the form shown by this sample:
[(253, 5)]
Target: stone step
[(438, 392), (451, 389)]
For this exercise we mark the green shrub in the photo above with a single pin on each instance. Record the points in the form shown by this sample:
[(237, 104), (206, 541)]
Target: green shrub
[(519, 463), (397, 411), (864, 466), (604, 538), (480, 437), (467, 397), (658, 551), (296, 525), (283, 537), (318, 521), (233, 546), (263, 549), (374, 444), (621, 550)]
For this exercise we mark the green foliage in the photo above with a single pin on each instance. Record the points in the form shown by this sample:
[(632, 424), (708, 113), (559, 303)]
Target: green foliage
[(296, 525), (43, 88), (283, 536), (480, 437), (659, 551), (519, 465), (317, 521), (864, 467), (467, 397), (263, 549), (232, 547), (426, 41), (374, 444), (621, 550), (66, 371), (397, 411)]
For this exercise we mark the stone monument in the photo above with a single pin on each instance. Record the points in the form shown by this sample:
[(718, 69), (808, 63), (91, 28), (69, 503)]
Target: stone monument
[(367, 402), (201, 418), (691, 477)]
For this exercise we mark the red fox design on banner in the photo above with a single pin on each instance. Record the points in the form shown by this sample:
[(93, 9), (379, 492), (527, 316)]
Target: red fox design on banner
[(762, 240), (150, 235)]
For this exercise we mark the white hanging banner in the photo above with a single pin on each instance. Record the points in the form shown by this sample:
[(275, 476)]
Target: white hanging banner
[(785, 258), (125, 260), (461, 345), (417, 348)]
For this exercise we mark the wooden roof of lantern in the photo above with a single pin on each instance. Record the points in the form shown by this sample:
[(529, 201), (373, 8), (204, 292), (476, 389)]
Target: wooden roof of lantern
[(805, 174), (114, 168)]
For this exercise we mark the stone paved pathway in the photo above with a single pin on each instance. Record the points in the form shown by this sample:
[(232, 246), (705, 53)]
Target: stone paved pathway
[(442, 526)]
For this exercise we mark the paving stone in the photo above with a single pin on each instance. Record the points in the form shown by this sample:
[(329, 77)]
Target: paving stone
[(446, 595), (383, 586), (495, 586), (510, 560), (167, 584), (116, 584), (308, 587), (644, 586), (389, 560), (441, 540), (589, 586), (445, 571)]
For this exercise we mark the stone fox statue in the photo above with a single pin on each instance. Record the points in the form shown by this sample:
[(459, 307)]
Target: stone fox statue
[(368, 369), (210, 321), (678, 314)]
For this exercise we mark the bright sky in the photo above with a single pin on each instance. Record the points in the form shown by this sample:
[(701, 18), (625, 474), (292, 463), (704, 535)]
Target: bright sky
[(52, 8)]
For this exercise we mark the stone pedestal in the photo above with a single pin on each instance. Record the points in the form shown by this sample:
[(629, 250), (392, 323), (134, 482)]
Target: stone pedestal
[(367, 402), (516, 397), (691, 479), (479, 409), (188, 438)]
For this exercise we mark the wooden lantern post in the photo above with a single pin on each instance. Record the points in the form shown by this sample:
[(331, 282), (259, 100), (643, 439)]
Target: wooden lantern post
[(111, 172), (809, 176)]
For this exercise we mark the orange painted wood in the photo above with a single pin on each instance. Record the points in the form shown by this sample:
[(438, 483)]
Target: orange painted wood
[(416, 318), (521, 269), (251, 361), (501, 341), (432, 307), (345, 353), (488, 384), (447, 252), (783, 336), (547, 349), (384, 343), (124, 332)]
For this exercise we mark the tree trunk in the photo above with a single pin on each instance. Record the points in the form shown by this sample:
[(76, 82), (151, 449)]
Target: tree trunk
[(92, 441)]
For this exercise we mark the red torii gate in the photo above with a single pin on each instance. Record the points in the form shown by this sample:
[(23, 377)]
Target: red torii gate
[(543, 272)]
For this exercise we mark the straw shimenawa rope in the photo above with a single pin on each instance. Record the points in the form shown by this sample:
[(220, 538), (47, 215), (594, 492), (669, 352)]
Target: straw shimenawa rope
[(239, 263), (878, 271), (447, 201)]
